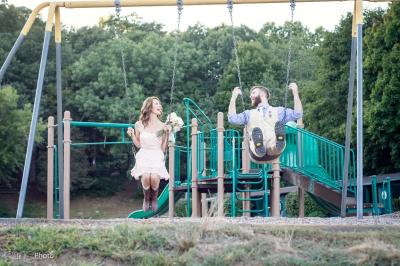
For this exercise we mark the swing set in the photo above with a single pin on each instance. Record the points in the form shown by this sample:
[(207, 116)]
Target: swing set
[(63, 145)]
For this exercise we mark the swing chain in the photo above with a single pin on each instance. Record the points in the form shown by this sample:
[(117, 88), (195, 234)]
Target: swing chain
[(234, 41), (292, 7), (118, 36), (179, 4)]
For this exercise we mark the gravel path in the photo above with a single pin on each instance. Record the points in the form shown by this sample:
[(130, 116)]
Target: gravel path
[(384, 220)]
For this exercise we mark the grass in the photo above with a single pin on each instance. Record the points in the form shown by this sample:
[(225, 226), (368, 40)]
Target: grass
[(33, 210), (205, 243)]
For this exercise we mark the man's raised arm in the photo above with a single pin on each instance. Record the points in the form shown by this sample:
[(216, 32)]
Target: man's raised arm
[(298, 107), (233, 117)]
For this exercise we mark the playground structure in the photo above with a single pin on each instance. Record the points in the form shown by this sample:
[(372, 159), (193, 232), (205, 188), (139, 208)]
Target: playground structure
[(215, 160), (233, 141)]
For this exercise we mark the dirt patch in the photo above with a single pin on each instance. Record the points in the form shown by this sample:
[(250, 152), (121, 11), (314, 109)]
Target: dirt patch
[(82, 207)]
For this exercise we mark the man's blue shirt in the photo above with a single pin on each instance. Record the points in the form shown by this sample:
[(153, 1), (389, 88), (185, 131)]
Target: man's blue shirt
[(243, 118)]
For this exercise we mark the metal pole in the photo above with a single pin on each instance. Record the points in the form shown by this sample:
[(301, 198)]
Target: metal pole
[(188, 158), (195, 191), (374, 196), (246, 168), (67, 164), (127, 3), (204, 201), (10, 55), (59, 111), (389, 196), (171, 157), (21, 38), (349, 122), (220, 161), (359, 112), (50, 166), (35, 114)]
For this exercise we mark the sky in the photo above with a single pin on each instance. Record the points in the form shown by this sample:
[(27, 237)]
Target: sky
[(311, 15)]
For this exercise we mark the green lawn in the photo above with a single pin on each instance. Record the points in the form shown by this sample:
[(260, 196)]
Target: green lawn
[(201, 243)]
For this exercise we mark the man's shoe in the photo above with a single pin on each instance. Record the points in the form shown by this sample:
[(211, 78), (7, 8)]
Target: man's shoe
[(257, 137)]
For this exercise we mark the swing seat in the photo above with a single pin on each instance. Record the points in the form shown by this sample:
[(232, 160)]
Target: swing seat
[(258, 152), (264, 159)]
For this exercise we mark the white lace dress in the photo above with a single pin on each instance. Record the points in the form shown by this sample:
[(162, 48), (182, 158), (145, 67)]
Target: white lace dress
[(150, 158)]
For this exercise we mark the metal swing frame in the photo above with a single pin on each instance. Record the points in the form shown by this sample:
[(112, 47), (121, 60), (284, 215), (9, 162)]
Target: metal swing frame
[(54, 17)]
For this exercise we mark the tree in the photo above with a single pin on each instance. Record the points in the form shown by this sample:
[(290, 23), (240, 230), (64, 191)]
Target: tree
[(14, 127), (264, 61), (325, 99), (382, 141)]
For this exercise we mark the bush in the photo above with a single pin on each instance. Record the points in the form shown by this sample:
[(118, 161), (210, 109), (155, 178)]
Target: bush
[(180, 208), (396, 204), (311, 208)]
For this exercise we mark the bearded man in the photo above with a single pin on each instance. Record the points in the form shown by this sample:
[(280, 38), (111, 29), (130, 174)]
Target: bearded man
[(264, 123)]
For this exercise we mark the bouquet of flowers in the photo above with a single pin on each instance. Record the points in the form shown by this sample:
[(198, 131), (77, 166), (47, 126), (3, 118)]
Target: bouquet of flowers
[(176, 124)]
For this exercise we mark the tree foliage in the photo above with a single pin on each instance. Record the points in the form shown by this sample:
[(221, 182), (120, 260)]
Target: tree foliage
[(382, 150), (14, 128)]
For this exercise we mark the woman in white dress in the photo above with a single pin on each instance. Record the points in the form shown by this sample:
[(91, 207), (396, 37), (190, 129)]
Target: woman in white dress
[(150, 160)]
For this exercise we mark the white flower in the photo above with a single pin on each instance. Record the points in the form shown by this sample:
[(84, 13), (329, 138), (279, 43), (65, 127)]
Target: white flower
[(175, 121), (172, 117)]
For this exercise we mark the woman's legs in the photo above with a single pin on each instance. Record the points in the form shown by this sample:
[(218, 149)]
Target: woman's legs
[(155, 184), (154, 181), (146, 183)]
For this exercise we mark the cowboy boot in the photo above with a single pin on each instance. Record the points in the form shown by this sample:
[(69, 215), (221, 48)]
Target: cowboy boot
[(146, 199), (154, 199)]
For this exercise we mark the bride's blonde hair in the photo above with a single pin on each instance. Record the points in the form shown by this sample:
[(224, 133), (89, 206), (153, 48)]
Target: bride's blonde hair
[(146, 110)]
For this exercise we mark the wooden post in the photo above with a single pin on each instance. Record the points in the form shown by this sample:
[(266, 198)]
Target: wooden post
[(220, 167), (195, 192), (171, 156), (204, 205), (299, 164), (275, 188), (67, 163), (301, 202), (50, 167), (245, 169)]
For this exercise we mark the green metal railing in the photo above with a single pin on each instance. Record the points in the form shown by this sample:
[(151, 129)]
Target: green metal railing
[(381, 197), (386, 196), (255, 181), (56, 188), (318, 158), (232, 151), (120, 126), (192, 110)]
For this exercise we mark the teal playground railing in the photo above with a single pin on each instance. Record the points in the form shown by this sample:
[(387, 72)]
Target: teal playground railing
[(119, 126), (381, 197), (318, 158)]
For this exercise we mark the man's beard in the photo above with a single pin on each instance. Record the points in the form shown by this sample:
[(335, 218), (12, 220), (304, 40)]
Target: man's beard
[(256, 101)]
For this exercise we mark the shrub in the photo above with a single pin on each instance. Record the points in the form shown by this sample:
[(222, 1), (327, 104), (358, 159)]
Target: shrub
[(311, 208)]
